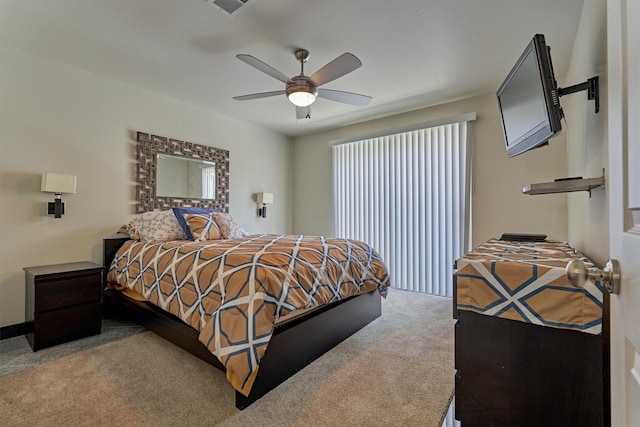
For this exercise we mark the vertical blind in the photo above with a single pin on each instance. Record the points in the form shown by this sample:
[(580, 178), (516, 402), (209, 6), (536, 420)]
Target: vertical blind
[(407, 195), (209, 182)]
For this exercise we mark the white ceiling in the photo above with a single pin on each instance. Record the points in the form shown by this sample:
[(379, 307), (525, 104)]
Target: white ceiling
[(414, 53)]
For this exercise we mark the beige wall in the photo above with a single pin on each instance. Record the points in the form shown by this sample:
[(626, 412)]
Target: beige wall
[(587, 134), (498, 203), (62, 119)]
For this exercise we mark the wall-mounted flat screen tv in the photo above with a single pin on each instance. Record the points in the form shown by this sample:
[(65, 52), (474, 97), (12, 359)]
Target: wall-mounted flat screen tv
[(528, 100)]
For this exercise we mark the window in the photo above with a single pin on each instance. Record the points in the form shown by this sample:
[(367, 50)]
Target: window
[(209, 182), (407, 195)]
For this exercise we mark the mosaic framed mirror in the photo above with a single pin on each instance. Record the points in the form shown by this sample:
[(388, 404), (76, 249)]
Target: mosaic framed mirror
[(173, 173)]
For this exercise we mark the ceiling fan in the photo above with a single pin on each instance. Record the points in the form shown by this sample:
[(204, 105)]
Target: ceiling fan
[(301, 90)]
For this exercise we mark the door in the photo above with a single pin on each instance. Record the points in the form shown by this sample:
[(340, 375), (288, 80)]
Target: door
[(623, 35)]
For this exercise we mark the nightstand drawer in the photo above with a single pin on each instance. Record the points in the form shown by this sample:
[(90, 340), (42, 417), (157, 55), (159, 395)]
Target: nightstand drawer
[(58, 326), (64, 302), (67, 290)]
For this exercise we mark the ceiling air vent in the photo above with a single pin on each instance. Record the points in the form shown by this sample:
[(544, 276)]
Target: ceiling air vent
[(231, 7)]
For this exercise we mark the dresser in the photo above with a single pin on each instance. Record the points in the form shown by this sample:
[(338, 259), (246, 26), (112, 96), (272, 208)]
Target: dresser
[(530, 349), (63, 301)]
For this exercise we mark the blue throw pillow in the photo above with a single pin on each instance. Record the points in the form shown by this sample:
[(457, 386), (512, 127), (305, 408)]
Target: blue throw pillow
[(178, 212)]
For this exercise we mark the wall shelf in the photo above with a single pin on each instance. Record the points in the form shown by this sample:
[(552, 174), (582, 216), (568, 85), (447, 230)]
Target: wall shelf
[(564, 186)]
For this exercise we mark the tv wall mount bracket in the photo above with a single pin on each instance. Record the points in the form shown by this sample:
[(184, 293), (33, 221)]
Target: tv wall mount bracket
[(591, 86)]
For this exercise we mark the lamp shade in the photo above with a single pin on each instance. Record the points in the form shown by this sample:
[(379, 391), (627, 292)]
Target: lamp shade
[(58, 183), (301, 98), (264, 198), (301, 91)]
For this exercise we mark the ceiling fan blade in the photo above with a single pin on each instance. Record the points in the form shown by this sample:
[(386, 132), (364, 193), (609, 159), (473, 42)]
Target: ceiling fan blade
[(258, 95), (340, 66), (303, 112), (265, 68), (344, 97)]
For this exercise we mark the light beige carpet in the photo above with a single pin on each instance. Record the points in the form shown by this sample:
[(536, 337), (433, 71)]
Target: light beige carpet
[(397, 371)]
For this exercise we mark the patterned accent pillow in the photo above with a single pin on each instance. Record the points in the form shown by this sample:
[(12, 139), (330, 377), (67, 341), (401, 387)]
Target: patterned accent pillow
[(229, 229), (202, 227), (154, 227), (179, 213)]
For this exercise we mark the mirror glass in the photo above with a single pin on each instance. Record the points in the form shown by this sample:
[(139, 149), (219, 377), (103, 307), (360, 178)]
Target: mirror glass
[(185, 178)]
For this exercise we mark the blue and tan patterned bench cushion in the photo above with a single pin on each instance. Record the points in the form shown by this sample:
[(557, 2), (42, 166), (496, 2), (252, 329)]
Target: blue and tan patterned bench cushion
[(526, 282)]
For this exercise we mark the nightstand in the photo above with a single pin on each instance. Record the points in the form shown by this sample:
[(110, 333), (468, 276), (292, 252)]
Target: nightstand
[(64, 302)]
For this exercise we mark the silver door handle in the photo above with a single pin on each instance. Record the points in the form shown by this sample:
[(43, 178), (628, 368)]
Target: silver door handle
[(578, 273)]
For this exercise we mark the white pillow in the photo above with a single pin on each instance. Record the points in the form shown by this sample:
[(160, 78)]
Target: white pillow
[(227, 225), (155, 227)]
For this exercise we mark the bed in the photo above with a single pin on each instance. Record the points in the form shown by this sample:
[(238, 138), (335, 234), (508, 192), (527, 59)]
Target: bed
[(236, 303)]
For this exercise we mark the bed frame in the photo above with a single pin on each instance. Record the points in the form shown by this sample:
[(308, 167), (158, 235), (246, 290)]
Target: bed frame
[(293, 346)]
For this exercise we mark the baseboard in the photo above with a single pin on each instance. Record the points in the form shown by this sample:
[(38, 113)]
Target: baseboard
[(15, 330)]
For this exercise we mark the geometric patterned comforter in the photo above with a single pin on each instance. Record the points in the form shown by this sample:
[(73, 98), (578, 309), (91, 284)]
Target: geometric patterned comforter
[(233, 291), (526, 281)]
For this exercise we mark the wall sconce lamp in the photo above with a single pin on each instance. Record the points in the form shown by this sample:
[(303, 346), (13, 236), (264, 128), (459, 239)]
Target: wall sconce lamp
[(57, 183), (263, 199)]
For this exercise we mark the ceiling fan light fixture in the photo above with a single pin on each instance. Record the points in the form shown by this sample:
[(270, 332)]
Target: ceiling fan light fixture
[(301, 91), (302, 97)]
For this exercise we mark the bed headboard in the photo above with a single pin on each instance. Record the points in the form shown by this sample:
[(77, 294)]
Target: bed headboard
[(110, 246)]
